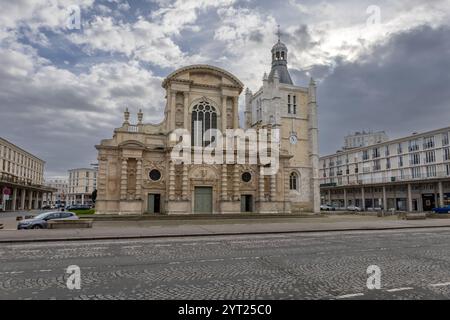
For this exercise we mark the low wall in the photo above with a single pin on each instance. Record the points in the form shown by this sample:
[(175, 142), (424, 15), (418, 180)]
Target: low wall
[(71, 224)]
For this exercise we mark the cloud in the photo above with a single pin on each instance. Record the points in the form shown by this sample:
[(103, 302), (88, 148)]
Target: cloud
[(59, 115), (400, 86)]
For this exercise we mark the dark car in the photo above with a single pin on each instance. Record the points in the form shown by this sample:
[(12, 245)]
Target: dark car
[(41, 221), (78, 207), (445, 209)]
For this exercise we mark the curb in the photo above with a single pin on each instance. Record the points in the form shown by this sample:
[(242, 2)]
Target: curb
[(91, 238)]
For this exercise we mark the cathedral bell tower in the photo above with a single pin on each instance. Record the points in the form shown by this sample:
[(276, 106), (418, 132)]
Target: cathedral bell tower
[(279, 62)]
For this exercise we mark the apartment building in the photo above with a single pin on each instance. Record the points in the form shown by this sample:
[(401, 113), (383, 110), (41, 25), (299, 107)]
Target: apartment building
[(364, 139), (406, 174), (21, 179), (82, 182), (60, 196)]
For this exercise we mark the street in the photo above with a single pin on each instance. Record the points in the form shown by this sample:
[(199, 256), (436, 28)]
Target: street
[(415, 264)]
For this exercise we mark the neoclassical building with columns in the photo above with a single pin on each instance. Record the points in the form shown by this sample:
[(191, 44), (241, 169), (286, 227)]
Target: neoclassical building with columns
[(137, 174)]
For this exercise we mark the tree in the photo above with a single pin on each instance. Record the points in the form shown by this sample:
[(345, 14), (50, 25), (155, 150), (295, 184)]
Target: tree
[(94, 195)]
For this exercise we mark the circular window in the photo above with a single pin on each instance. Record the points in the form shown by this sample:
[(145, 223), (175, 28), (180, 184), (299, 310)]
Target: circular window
[(155, 175), (246, 176)]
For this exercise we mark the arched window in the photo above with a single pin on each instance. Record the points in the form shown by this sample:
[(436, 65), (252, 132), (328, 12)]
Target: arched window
[(293, 181), (205, 116)]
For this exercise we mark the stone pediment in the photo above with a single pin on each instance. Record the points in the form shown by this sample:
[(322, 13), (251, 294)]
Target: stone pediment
[(204, 75), (132, 144)]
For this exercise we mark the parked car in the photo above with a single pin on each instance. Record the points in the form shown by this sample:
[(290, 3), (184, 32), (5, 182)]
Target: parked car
[(78, 207), (46, 207), (445, 209), (353, 208), (327, 207), (41, 221)]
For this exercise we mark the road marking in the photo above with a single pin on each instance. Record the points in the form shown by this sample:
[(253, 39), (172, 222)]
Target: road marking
[(131, 247), (399, 289), (162, 245), (45, 270), (351, 295), (443, 284)]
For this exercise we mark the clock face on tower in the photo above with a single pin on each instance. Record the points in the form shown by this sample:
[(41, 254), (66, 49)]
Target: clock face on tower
[(293, 139)]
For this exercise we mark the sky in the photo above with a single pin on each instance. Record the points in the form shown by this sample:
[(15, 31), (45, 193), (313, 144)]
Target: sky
[(70, 67)]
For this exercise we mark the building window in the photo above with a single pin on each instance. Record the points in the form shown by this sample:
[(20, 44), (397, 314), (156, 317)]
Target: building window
[(430, 157), (365, 155), (447, 167), (289, 103), (445, 139), (413, 145), (375, 153), (376, 165), (294, 104), (205, 116), (400, 161), (387, 151), (293, 181), (446, 154), (246, 177), (388, 163), (414, 158), (415, 172), (431, 171), (428, 142), (154, 175)]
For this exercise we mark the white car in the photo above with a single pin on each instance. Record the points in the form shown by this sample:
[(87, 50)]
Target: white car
[(327, 207), (353, 208)]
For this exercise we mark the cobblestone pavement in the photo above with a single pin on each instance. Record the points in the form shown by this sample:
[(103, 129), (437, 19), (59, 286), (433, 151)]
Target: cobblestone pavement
[(414, 265)]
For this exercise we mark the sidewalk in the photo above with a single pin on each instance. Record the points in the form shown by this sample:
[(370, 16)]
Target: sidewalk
[(184, 228)]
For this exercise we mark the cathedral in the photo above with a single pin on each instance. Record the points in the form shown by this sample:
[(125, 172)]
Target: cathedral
[(137, 174)]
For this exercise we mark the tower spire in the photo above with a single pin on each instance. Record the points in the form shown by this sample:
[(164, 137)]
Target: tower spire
[(279, 34)]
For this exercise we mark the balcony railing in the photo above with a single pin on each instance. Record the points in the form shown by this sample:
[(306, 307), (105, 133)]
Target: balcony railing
[(389, 179)]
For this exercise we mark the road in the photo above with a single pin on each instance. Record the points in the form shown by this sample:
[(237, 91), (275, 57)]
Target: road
[(414, 264)]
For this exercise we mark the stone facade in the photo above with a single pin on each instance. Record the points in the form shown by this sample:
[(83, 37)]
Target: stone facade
[(21, 179), (137, 174)]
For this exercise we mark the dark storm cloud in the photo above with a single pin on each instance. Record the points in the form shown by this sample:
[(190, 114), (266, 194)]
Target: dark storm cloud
[(402, 86), (256, 36), (301, 38)]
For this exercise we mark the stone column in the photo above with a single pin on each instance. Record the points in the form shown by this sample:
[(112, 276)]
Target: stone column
[(186, 109), (261, 184), (384, 199), (14, 199), (329, 196), (171, 181), (224, 182), (173, 104), (36, 201), (82, 198), (363, 199), (235, 113), (22, 199), (185, 182), (409, 200), (441, 194), (139, 180), (101, 178), (235, 183), (345, 198), (224, 114), (273, 187), (123, 179)]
